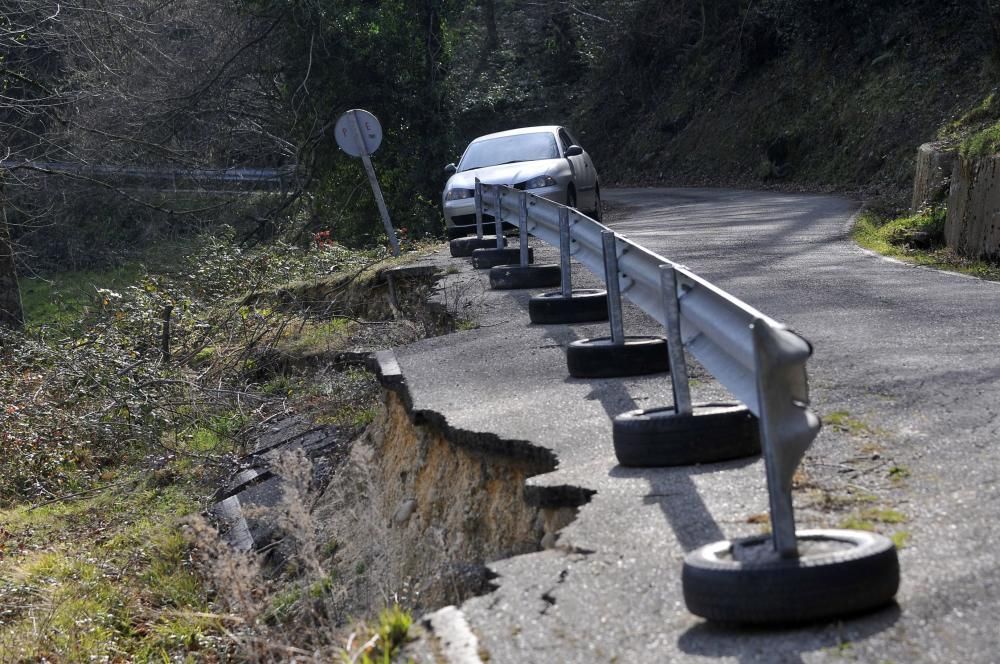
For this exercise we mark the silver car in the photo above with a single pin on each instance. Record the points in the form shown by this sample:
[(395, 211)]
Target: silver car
[(546, 161)]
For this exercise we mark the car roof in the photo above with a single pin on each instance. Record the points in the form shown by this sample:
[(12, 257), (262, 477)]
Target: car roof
[(522, 130)]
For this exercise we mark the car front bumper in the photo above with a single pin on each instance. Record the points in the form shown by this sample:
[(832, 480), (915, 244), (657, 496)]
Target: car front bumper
[(462, 212)]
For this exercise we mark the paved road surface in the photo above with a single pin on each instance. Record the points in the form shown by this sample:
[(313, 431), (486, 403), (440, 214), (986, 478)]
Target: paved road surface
[(906, 372)]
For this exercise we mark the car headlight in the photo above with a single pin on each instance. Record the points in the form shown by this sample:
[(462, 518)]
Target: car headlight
[(539, 182), (458, 194)]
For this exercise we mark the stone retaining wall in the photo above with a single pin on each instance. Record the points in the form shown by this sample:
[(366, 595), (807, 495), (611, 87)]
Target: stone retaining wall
[(933, 175), (972, 227)]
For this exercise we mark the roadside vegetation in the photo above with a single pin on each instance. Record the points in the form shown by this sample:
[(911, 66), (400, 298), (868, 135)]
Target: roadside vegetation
[(110, 448), (918, 239)]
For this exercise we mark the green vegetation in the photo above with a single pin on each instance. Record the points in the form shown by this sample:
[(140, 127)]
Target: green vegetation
[(841, 500), (875, 518), (842, 421), (317, 335), (101, 575), (393, 627), (59, 298), (976, 132), (106, 450), (985, 113), (890, 237), (983, 143), (896, 237), (899, 473)]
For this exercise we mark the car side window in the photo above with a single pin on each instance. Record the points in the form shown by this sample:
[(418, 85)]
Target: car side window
[(568, 139), (565, 139)]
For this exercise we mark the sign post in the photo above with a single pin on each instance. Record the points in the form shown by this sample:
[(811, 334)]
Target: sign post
[(359, 134)]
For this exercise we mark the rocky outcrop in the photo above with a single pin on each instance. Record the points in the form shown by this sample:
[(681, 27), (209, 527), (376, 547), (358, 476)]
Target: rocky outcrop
[(972, 227)]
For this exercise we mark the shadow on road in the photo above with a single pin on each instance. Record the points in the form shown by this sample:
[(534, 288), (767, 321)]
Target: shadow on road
[(772, 644)]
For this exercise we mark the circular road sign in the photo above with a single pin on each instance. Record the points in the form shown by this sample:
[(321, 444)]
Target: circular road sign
[(358, 132)]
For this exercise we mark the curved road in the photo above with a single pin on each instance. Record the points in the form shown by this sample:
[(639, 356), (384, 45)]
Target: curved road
[(907, 361)]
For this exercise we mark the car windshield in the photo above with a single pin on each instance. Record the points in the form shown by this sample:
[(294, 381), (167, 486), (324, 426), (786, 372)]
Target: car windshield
[(509, 149)]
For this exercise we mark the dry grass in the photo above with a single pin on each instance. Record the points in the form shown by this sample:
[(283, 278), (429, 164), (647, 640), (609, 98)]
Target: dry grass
[(295, 610)]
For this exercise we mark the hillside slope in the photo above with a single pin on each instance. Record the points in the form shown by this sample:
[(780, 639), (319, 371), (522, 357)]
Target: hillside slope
[(826, 95)]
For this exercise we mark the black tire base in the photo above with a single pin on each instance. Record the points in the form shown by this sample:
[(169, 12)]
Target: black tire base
[(464, 246), (838, 573), (659, 437), (512, 277), (582, 306), (489, 226), (484, 259), (600, 358)]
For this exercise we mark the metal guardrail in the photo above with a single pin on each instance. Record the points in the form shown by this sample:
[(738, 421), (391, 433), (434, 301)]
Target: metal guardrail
[(280, 177), (760, 361)]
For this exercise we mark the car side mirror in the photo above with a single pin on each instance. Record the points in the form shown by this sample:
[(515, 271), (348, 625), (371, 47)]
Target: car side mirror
[(450, 169), (574, 151)]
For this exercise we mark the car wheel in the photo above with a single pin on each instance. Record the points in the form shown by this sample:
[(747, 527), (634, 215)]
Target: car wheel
[(514, 277), (602, 358), (571, 197), (464, 246), (582, 306), (458, 231), (598, 212), (484, 259), (659, 437), (837, 573)]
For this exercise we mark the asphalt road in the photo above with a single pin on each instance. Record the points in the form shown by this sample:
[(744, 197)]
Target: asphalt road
[(906, 373)]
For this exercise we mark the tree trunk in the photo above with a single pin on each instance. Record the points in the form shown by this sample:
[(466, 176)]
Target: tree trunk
[(11, 315), (992, 10), (492, 41)]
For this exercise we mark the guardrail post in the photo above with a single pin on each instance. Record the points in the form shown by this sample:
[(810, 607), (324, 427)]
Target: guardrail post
[(610, 246), (675, 344), (499, 216), (617, 355), (485, 199), (479, 209), (787, 426), (565, 268), (522, 228)]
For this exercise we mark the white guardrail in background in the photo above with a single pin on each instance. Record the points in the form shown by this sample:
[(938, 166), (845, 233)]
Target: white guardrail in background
[(758, 360)]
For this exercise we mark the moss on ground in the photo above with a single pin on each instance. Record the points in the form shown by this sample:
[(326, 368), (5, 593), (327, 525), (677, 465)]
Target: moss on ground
[(103, 576), (894, 236)]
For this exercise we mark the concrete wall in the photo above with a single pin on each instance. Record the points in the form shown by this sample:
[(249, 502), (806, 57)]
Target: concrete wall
[(972, 227)]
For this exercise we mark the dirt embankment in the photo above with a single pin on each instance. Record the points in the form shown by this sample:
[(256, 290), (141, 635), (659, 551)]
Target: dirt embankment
[(420, 514), (403, 510)]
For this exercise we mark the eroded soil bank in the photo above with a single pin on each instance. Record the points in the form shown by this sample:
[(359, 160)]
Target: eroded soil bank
[(407, 510), (418, 515)]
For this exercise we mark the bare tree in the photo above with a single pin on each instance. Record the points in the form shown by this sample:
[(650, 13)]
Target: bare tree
[(11, 315), (102, 93)]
